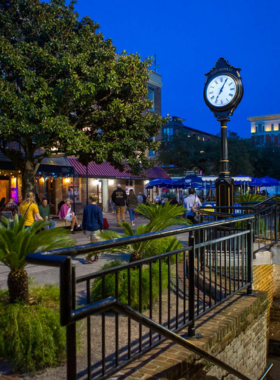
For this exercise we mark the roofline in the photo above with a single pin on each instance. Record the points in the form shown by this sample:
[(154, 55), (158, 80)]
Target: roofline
[(197, 130), (264, 117)]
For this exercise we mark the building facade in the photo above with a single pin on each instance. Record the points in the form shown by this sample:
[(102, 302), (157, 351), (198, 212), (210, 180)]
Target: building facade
[(175, 126), (265, 129)]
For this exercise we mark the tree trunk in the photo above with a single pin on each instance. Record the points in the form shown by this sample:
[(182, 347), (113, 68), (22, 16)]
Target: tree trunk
[(135, 257), (28, 178), (18, 286)]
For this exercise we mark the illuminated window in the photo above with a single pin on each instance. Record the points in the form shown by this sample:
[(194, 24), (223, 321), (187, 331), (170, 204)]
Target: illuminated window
[(268, 128), (198, 137), (203, 139), (253, 129)]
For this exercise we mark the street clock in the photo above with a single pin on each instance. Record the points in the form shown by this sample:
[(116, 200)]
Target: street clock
[(223, 89)]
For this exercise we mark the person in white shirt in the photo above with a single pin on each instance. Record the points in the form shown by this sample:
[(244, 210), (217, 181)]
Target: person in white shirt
[(190, 203)]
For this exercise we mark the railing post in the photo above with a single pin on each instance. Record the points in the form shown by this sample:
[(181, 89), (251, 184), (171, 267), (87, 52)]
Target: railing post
[(250, 257), (276, 222), (191, 329), (71, 336)]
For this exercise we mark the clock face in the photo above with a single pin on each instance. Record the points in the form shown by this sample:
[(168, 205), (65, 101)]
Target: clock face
[(221, 91)]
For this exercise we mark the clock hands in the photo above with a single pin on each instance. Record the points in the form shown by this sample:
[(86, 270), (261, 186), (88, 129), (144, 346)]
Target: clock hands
[(221, 90)]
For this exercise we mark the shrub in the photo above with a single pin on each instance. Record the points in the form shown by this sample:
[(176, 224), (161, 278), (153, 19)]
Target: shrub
[(134, 284), (31, 335)]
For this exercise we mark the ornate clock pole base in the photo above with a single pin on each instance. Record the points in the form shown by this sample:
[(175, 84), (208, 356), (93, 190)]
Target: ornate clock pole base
[(224, 184)]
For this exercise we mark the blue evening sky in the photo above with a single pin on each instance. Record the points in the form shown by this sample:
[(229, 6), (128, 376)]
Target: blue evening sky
[(188, 37)]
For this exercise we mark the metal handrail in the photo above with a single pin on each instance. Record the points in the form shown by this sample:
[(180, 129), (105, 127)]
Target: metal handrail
[(103, 245), (114, 304)]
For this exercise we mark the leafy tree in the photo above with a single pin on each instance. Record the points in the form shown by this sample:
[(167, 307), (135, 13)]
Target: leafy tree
[(16, 242), (64, 89), (188, 153)]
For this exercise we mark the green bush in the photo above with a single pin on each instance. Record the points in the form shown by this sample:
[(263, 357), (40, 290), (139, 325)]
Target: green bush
[(134, 284), (31, 335), (163, 245)]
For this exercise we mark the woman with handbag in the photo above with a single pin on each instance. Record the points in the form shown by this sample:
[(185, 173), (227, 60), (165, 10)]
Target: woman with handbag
[(29, 210), (190, 203)]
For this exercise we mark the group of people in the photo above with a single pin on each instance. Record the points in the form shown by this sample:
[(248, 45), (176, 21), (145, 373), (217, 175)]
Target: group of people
[(121, 200)]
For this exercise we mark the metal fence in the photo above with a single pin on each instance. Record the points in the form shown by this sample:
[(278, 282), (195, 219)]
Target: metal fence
[(173, 289), (266, 219)]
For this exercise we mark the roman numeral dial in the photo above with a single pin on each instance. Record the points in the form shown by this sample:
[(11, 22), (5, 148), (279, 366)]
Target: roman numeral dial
[(221, 91)]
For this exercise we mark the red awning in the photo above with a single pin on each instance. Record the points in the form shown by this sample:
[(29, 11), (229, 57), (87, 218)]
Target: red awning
[(106, 170)]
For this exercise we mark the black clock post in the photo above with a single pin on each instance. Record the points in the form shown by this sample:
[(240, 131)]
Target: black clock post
[(223, 92)]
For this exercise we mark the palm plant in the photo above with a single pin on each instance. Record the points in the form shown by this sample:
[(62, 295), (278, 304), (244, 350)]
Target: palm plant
[(16, 242), (159, 218), (242, 198)]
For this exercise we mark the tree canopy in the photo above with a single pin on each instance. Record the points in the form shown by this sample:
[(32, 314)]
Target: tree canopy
[(64, 89), (182, 153)]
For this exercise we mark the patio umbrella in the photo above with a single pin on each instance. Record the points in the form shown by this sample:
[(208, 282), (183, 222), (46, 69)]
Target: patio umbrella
[(268, 181), (256, 182), (159, 182)]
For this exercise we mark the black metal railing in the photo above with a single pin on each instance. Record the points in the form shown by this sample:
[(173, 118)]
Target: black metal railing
[(173, 290), (266, 220)]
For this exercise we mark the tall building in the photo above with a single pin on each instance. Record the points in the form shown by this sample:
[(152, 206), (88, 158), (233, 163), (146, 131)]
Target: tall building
[(265, 129), (154, 94)]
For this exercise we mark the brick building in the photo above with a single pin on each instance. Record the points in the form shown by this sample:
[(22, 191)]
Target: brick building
[(265, 129)]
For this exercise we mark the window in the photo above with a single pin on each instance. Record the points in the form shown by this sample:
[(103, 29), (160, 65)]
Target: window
[(151, 96), (151, 153), (198, 137), (168, 132)]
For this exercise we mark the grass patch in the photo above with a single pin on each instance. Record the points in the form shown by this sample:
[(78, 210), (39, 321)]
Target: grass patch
[(31, 335)]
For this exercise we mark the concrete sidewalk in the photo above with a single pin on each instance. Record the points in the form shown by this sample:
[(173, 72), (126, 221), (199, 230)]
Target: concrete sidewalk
[(49, 275)]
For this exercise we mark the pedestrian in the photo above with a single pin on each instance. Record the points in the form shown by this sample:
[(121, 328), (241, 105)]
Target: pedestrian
[(174, 201), (190, 203), (140, 198), (29, 210), (3, 202), (11, 206), (92, 222), (119, 197), (66, 213), (131, 203), (144, 198), (44, 210)]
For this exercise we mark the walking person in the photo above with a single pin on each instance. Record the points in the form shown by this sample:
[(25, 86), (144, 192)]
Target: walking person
[(44, 210), (29, 210), (92, 222), (190, 203), (131, 203), (144, 198), (66, 213), (119, 197), (140, 198)]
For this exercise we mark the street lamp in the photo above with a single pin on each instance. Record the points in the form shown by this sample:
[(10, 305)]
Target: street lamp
[(223, 92)]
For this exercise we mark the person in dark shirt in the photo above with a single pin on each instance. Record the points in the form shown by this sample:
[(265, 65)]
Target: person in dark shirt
[(119, 197), (92, 222), (173, 201)]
